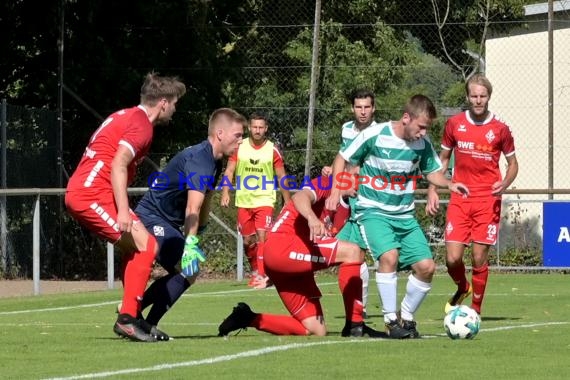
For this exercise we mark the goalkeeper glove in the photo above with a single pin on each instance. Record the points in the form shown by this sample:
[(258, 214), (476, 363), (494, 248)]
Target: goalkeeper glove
[(192, 256)]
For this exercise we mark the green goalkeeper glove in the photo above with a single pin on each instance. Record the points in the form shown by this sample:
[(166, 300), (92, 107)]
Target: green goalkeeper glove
[(192, 256)]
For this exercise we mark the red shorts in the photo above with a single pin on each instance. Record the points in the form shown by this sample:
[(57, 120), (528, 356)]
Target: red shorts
[(474, 221), (290, 262), (98, 214), (252, 219)]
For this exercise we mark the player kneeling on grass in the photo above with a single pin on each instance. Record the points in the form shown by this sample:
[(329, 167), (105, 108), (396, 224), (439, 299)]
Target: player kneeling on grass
[(301, 242)]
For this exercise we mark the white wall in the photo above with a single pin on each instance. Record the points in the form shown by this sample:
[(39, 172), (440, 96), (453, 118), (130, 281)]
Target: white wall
[(518, 69)]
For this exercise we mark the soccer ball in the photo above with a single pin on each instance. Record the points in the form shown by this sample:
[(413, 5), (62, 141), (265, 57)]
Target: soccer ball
[(462, 322)]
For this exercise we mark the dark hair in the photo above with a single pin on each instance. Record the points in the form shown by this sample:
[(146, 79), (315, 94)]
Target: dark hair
[(258, 116), (156, 87), (419, 105), (361, 94)]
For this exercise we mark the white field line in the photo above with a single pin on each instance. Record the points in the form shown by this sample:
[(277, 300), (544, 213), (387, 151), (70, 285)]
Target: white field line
[(216, 359), (246, 290), (254, 353), (63, 308)]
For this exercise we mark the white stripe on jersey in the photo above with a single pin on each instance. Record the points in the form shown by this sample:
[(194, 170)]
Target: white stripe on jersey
[(391, 188), (377, 207), (391, 165), (128, 146), (105, 216)]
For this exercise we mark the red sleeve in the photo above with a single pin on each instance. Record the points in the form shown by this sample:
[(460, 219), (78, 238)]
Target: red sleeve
[(448, 140), (507, 141), (138, 133), (322, 187), (277, 158)]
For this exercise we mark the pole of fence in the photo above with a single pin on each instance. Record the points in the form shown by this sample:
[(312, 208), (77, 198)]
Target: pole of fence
[(36, 246), (239, 257), (313, 89), (3, 213), (498, 243), (550, 98), (110, 266)]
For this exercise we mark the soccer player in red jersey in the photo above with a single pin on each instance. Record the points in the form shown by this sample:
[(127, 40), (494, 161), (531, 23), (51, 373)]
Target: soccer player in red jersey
[(97, 196), (259, 168), (477, 137), (300, 243)]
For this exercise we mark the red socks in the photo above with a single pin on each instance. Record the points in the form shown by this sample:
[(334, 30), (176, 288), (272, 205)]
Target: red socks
[(259, 258), (136, 276), (251, 254), (479, 279), (350, 285), (457, 274), (279, 324)]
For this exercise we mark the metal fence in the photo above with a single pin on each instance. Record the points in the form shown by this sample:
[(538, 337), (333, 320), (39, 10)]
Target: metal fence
[(300, 76)]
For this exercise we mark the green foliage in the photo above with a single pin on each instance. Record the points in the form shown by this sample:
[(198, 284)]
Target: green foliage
[(517, 257), (455, 95), (247, 54)]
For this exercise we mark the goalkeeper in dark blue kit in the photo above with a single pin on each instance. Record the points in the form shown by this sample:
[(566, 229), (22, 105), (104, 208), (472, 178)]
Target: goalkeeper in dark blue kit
[(176, 208)]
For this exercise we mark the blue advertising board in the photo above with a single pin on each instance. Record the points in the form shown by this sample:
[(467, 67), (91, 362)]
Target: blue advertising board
[(556, 234)]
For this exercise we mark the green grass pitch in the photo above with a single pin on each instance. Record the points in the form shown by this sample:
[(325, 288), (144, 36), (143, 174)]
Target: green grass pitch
[(524, 335)]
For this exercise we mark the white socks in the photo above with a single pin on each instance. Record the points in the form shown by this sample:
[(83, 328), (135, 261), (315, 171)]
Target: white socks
[(365, 276), (416, 292), (387, 284)]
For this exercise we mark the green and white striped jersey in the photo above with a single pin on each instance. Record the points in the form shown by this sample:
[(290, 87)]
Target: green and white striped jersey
[(349, 132), (389, 167)]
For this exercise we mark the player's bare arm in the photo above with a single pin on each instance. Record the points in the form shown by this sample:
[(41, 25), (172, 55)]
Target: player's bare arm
[(194, 203), (438, 179), (303, 201), (280, 172), (432, 204), (119, 179), (338, 167), (326, 171), (512, 171), (205, 209), (229, 175)]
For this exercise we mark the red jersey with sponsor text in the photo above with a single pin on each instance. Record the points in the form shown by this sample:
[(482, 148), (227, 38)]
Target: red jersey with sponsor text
[(290, 221), (128, 127), (477, 148)]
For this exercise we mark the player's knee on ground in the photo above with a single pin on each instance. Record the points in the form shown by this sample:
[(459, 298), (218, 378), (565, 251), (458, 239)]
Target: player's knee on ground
[(315, 326)]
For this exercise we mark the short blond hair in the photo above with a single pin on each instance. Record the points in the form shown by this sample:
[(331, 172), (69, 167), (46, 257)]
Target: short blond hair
[(225, 114), (481, 80)]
